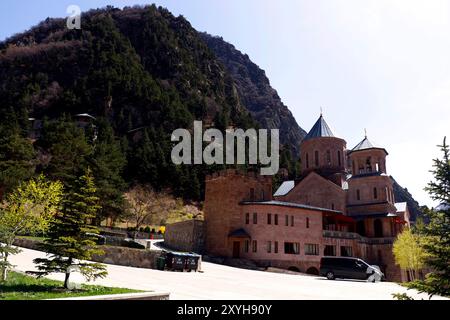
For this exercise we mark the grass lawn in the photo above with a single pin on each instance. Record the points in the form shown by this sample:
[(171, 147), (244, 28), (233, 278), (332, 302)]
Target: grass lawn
[(24, 287)]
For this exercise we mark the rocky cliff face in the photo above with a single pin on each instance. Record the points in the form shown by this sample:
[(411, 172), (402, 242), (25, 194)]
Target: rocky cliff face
[(256, 93), (402, 195)]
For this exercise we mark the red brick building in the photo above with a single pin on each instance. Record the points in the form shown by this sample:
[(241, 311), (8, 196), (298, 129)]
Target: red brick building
[(342, 205)]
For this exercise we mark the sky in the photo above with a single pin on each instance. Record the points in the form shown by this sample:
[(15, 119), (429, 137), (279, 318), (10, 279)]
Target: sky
[(380, 65)]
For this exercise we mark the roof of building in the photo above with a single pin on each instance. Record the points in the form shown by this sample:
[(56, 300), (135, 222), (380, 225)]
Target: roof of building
[(365, 144), (285, 188), (288, 204), (401, 206), (442, 207), (320, 129)]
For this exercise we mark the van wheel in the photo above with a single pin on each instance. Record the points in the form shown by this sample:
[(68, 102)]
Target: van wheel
[(330, 275)]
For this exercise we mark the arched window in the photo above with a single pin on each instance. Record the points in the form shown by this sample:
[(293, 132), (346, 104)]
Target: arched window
[(307, 161), (328, 157), (375, 193), (339, 158), (378, 228), (369, 164), (307, 223), (358, 195), (316, 158), (361, 228)]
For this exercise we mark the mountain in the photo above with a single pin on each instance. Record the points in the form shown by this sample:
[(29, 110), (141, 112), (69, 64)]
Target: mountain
[(256, 93), (141, 72), (402, 195)]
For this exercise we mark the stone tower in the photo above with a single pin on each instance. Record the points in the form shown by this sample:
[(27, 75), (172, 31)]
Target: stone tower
[(323, 153), (370, 191)]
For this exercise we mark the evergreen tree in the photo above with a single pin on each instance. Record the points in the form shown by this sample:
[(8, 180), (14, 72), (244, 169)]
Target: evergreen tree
[(71, 239), (107, 163), (16, 158), (437, 231), (69, 150)]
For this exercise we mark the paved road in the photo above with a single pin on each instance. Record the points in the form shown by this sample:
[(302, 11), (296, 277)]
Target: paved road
[(224, 283)]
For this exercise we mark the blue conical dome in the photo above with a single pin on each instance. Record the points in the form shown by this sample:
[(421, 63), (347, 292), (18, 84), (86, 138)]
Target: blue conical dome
[(320, 129)]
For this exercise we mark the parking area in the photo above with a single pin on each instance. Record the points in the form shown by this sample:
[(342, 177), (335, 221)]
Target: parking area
[(225, 283)]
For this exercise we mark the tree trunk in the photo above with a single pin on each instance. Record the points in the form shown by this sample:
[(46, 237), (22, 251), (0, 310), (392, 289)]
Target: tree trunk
[(5, 268), (66, 279)]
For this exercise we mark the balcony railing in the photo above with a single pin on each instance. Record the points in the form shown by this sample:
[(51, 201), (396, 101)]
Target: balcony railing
[(353, 235)]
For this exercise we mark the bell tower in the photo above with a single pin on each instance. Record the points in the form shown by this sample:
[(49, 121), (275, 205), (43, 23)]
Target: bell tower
[(323, 153), (370, 196)]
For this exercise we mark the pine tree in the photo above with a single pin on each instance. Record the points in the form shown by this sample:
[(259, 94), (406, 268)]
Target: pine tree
[(437, 231), (108, 162), (71, 239)]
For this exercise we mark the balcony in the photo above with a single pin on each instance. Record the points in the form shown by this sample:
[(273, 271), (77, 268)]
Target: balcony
[(353, 235)]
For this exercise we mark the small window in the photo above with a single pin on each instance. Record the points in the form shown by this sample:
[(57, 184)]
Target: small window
[(269, 218), (252, 194), (346, 251), (269, 246), (328, 157), (287, 220), (292, 248), (358, 195), (254, 246), (316, 158), (255, 218), (247, 218), (375, 193), (307, 161), (246, 245), (339, 158), (275, 247), (311, 249), (329, 251), (276, 219), (332, 206), (292, 221), (307, 223)]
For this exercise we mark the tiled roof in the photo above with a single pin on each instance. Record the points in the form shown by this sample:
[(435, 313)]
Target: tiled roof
[(320, 129), (284, 189), (365, 144)]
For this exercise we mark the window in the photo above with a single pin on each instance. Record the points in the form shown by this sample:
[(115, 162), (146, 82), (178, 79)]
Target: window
[(287, 220), (378, 228), (316, 158), (292, 248), (276, 219), (332, 206), (275, 247), (252, 194), (307, 223), (311, 249), (254, 246), (339, 159), (346, 251), (328, 157), (246, 245), (269, 218), (369, 164), (269, 246), (358, 195), (307, 161), (292, 221), (375, 193), (255, 218), (329, 251), (247, 218)]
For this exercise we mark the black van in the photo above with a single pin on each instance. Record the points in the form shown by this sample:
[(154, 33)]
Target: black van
[(350, 268)]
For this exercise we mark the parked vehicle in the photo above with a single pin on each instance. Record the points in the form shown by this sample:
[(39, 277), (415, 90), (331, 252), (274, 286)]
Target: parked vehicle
[(350, 268)]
